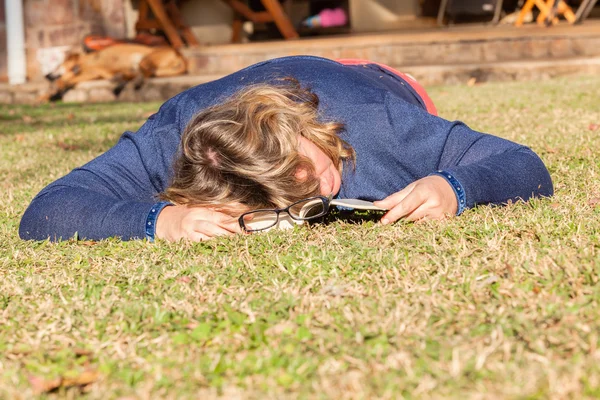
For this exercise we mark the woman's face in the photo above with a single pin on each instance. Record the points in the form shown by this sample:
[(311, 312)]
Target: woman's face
[(329, 176)]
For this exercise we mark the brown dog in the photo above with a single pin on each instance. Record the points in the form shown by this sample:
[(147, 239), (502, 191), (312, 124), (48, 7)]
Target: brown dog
[(120, 63)]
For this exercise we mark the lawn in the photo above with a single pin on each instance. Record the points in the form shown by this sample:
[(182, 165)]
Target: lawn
[(501, 302)]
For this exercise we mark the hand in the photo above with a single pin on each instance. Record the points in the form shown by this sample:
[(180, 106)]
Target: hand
[(194, 223), (431, 197)]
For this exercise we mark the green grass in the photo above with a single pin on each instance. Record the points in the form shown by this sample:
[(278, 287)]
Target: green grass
[(501, 302)]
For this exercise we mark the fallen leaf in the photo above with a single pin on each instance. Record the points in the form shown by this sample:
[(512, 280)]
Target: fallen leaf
[(594, 201), (19, 138), (40, 385), (472, 82), (70, 116), (67, 147), (82, 352), (27, 119), (83, 379), (184, 279), (551, 150), (508, 270), (593, 127), (555, 206)]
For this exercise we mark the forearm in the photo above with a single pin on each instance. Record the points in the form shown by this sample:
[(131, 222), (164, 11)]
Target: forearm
[(499, 178), (64, 211)]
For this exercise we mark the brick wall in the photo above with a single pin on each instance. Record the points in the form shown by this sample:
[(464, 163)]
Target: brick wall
[(61, 23), (58, 23)]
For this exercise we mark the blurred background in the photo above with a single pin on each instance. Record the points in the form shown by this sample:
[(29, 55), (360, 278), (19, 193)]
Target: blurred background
[(221, 36)]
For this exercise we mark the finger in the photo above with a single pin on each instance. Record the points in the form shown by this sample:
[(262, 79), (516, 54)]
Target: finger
[(408, 205), (223, 220), (425, 213), (394, 199), (419, 214), (197, 237), (232, 226), (230, 223), (211, 229)]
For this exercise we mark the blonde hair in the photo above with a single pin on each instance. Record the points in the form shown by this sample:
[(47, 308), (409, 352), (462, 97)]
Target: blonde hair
[(244, 151)]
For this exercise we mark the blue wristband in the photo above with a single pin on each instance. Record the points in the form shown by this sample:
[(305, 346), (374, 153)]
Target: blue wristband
[(151, 219), (459, 191)]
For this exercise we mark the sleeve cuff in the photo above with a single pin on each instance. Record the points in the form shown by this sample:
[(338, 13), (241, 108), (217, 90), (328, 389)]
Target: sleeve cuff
[(459, 191), (152, 217)]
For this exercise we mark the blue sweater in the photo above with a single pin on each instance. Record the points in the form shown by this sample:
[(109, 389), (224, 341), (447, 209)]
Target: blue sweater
[(395, 139)]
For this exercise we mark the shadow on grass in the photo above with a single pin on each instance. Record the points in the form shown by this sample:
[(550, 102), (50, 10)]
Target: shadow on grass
[(353, 217)]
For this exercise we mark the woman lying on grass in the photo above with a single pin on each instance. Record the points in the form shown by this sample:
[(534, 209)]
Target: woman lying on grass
[(273, 134)]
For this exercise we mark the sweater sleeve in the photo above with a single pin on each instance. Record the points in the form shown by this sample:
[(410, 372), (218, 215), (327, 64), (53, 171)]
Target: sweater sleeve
[(493, 170), (486, 169), (112, 195)]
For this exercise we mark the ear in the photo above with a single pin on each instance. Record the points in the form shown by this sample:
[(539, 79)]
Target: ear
[(302, 174)]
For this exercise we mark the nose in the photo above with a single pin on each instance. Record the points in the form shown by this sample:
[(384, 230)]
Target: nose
[(51, 77)]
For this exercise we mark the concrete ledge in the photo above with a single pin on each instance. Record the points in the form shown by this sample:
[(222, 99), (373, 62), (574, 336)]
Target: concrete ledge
[(156, 89), (161, 89), (457, 45), (506, 71)]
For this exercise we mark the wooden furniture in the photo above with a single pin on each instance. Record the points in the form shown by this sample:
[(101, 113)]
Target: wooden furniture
[(165, 16), (273, 13), (549, 10)]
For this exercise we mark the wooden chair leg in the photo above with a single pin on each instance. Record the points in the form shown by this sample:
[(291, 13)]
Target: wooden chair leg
[(280, 18), (142, 15), (274, 13), (236, 28), (241, 9), (524, 11), (186, 32), (555, 8), (167, 26), (566, 11), (545, 11)]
